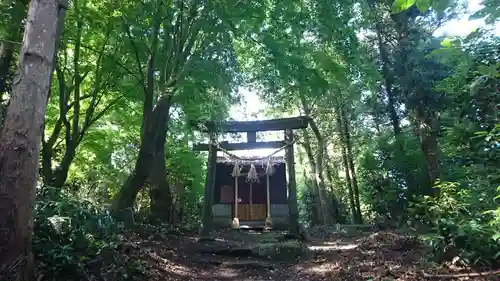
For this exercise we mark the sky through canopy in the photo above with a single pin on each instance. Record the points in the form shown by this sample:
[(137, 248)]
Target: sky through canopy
[(253, 108)]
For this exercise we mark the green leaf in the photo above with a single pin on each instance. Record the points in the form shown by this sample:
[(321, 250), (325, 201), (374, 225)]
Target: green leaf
[(481, 133), (496, 236), (490, 70), (401, 5), (447, 43), (424, 5)]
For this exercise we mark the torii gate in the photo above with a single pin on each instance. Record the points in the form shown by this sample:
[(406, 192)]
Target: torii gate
[(250, 128)]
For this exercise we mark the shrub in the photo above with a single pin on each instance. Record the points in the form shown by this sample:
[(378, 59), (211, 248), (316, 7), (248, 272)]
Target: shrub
[(70, 234), (461, 231)]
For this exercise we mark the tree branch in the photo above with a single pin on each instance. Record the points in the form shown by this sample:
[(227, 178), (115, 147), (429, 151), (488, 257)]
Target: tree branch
[(116, 62), (97, 117), (63, 103), (136, 53), (76, 65)]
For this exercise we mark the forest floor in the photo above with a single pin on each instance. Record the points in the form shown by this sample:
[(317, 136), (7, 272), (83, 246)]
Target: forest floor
[(255, 255)]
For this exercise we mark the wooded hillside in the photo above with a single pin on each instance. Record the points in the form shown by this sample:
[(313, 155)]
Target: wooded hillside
[(97, 100)]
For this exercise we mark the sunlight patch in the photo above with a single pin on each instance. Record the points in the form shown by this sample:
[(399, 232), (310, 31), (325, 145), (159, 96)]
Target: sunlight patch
[(326, 267), (332, 246)]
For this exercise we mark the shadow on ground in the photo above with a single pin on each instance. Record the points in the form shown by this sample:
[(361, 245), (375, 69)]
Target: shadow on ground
[(249, 255)]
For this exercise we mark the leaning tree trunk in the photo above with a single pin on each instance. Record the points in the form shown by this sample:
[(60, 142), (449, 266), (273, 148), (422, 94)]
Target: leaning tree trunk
[(20, 139), (61, 173), (126, 196), (146, 160), (427, 131), (148, 164), (160, 193)]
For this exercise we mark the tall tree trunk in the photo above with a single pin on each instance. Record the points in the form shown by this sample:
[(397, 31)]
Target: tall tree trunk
[(180, 34), (345, 161), (332, 172), (47, 146), (20, 139), (208, 200), (326, 204), (333, 178), (386, 72), (312, 170), (320, 177), (181, 187), (147, 155), (391, 104), (328, 209), (350, 158), (388, 81), (161, 194), (427, 130), (61, 172), (180, 194), (73, 134), (427, 123)]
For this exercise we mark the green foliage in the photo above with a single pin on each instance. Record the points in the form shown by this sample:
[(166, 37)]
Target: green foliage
[(495, 223), (306, 205), (70, 235), (403, 5), (462, 232), (383, 188), (423, 5)]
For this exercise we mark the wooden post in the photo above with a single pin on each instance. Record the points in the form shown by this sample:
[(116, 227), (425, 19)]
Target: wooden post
[(206, 227), (268, 222), (251, 137), (292, 186), (251, 200), (236, 221), (268, 197)]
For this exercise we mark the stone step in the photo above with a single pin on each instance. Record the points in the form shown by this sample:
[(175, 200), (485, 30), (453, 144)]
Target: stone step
[(236, 263)]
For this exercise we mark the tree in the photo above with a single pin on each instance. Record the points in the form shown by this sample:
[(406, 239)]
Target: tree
[(15, 12), (184, 38), (21, 136), (87, 87)]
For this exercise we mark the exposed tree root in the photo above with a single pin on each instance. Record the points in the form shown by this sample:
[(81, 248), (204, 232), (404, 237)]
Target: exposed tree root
[(461, 275)]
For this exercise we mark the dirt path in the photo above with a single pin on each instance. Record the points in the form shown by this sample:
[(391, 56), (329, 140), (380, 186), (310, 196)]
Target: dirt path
[(246, 256)]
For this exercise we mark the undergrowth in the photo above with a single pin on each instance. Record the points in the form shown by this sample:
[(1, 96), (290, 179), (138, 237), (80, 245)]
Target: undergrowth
[(461, 232), (72, 237)]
